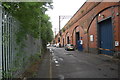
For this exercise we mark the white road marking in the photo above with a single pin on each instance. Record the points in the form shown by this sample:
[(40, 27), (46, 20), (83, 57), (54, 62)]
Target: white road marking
[(65, 53), (50, 69), (54, 59), (56, 62), (57, 65), (53, 54), (61, 59), (50, 50)]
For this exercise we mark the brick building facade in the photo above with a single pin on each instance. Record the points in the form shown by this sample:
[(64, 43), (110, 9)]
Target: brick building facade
[(97, 24)]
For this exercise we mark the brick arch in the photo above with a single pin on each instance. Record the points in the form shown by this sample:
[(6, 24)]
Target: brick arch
[(97, 21), (99, 13), (74, 30)]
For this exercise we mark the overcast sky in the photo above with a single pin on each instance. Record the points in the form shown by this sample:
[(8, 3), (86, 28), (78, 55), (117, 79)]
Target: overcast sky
[(63, 8)]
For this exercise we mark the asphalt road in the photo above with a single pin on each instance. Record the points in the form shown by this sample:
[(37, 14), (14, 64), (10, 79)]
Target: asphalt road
[(62, 64)]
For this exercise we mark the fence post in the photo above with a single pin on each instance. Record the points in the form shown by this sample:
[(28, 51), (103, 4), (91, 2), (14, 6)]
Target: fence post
[(0, 40)]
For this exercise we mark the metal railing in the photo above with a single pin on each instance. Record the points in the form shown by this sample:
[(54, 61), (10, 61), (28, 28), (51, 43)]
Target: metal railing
[(13, 58), (0, 41), (9, 28)]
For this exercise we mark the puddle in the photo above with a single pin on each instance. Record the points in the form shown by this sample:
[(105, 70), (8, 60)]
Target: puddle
[(107, 60), (61, 77), (105, 75), (99, 69), (112, 68), (56, 62)]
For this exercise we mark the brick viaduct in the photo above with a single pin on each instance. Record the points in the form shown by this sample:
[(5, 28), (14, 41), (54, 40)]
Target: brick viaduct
[(86, 22)]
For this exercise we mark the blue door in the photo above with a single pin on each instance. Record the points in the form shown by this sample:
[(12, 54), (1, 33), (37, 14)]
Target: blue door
[(80, 47), (106, 36)]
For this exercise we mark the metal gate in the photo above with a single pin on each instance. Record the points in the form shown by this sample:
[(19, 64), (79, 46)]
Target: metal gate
[(106, 37)]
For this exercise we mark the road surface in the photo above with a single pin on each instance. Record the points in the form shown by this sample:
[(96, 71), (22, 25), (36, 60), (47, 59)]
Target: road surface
[(74, 64)]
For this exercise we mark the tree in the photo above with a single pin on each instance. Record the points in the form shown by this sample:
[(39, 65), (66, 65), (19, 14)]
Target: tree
[(33, 19)]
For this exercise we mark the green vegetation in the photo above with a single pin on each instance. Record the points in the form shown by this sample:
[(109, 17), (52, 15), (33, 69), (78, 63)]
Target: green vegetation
[(82, 11), (63, 29), (33, 20)]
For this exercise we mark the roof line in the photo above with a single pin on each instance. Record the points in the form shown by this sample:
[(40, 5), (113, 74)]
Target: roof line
[(76, 13)]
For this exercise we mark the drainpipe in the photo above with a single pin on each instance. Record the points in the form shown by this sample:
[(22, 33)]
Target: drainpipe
[(0, 40)]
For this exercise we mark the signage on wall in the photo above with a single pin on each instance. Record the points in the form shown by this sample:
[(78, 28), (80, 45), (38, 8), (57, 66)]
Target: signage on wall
[(91, 38), (116, 43)]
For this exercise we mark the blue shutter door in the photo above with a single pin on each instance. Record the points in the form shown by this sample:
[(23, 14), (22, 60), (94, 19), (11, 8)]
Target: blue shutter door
[(106, 36)]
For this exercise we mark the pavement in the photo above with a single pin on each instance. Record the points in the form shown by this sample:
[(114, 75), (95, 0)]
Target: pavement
[(63, 64)]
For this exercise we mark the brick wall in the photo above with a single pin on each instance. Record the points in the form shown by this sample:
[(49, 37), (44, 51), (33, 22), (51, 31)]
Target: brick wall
[(85, 21)]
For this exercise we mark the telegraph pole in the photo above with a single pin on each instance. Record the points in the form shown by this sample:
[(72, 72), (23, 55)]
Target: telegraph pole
[(61, 18), (55, 31), (59, 24)]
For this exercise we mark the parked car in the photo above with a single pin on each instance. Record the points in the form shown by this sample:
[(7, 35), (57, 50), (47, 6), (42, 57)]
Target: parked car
[(69, 47), (48, 45), (54, 45)]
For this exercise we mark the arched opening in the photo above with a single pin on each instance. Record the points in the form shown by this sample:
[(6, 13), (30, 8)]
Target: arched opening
[(68, 40), (63, 42), (98, 33), (77, 38), (65, 38)]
